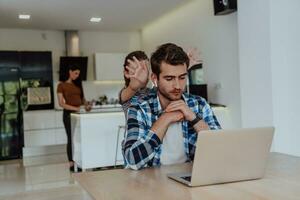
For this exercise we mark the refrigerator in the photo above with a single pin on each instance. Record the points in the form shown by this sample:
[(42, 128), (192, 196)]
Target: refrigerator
[(11, 140), (21, 73)]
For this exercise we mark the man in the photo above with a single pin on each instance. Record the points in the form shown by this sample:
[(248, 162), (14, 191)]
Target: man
[(162, 127)]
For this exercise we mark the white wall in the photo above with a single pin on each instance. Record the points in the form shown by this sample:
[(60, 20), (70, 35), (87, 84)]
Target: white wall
[(285, 53), (194, 25), (255, 63), (269, 53), (106, 42), (35, 40)]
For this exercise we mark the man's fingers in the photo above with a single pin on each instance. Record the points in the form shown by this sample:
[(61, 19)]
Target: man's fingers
[(177, 115), (175, 105), (174, 108)]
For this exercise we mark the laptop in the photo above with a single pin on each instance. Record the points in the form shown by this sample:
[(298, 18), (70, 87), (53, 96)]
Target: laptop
[(224, 156)]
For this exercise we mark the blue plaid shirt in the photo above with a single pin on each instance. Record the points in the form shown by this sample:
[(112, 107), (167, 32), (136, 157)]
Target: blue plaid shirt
[(142, 147)]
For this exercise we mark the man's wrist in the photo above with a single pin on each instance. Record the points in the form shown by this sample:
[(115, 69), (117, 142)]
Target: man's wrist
[(191, 116), (166, 120), (195, 120)]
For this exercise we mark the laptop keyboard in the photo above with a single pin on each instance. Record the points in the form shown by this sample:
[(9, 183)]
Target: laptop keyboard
[(187, 178)]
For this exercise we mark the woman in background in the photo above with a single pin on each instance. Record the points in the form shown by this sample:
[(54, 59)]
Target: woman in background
[(70, 98), (136, 75)]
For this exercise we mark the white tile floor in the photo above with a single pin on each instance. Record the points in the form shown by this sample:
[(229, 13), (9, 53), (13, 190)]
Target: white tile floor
[(39, 178)]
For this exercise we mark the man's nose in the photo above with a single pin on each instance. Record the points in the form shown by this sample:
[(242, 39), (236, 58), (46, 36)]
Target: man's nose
[(176, 84)]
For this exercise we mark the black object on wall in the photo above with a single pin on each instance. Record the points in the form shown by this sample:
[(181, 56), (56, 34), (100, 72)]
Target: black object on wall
[(9, 59), (67, 61), (223, 7), (199, 90), (36, 64)]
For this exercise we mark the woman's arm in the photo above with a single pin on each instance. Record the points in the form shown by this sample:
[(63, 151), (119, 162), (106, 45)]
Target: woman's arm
[(61, 102), (126, 94)]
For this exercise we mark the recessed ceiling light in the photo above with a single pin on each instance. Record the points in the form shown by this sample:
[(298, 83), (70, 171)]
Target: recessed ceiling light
[(24, 16), (95, 19)]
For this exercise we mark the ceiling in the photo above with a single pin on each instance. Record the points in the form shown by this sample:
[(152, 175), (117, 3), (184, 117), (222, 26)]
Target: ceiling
[(117, 15)]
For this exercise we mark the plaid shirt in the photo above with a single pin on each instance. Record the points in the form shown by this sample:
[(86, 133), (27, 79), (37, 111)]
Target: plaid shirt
[(142, 147)]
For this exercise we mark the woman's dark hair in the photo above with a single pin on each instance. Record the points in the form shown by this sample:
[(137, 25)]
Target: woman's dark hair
[(74, 67), (140, 55), (170, 54), (78, 81)]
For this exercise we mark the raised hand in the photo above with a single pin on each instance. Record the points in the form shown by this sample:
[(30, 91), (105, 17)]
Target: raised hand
[(138, 73), (194, 56)]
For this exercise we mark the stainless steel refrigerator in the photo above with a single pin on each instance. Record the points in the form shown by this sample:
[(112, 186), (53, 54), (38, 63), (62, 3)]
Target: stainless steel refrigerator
[(11, 140), (20, 72)]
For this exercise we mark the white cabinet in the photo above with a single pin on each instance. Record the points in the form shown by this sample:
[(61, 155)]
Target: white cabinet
[(109, 66), (38, 120), (43, 128), (39, 138), (95, 139), (224, 117)]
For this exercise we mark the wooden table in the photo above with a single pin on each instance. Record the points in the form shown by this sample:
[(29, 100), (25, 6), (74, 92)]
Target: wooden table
[(281, 182)]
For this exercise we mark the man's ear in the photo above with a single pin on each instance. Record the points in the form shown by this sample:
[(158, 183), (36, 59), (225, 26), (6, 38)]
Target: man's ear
[(154, 79)]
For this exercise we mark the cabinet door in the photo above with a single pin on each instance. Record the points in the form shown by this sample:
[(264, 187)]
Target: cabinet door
[(39, 138), (224, 117), (60, 136), (59, 119), (42, 119), (109, 66)]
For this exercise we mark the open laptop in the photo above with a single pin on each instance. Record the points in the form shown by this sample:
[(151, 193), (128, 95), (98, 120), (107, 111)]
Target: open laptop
[(228, 155)]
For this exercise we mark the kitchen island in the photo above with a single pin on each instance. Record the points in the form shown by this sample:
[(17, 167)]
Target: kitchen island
[(97, 137)]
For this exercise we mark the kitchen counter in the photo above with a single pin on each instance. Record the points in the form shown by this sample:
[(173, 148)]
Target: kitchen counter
[(96, 138), (99, 109)]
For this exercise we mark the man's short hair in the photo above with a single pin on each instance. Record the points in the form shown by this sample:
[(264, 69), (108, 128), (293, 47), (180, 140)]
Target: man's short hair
[(170, 54), (140, 55)]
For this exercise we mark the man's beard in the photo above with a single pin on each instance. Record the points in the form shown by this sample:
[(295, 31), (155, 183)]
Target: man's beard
[(169, 96)]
